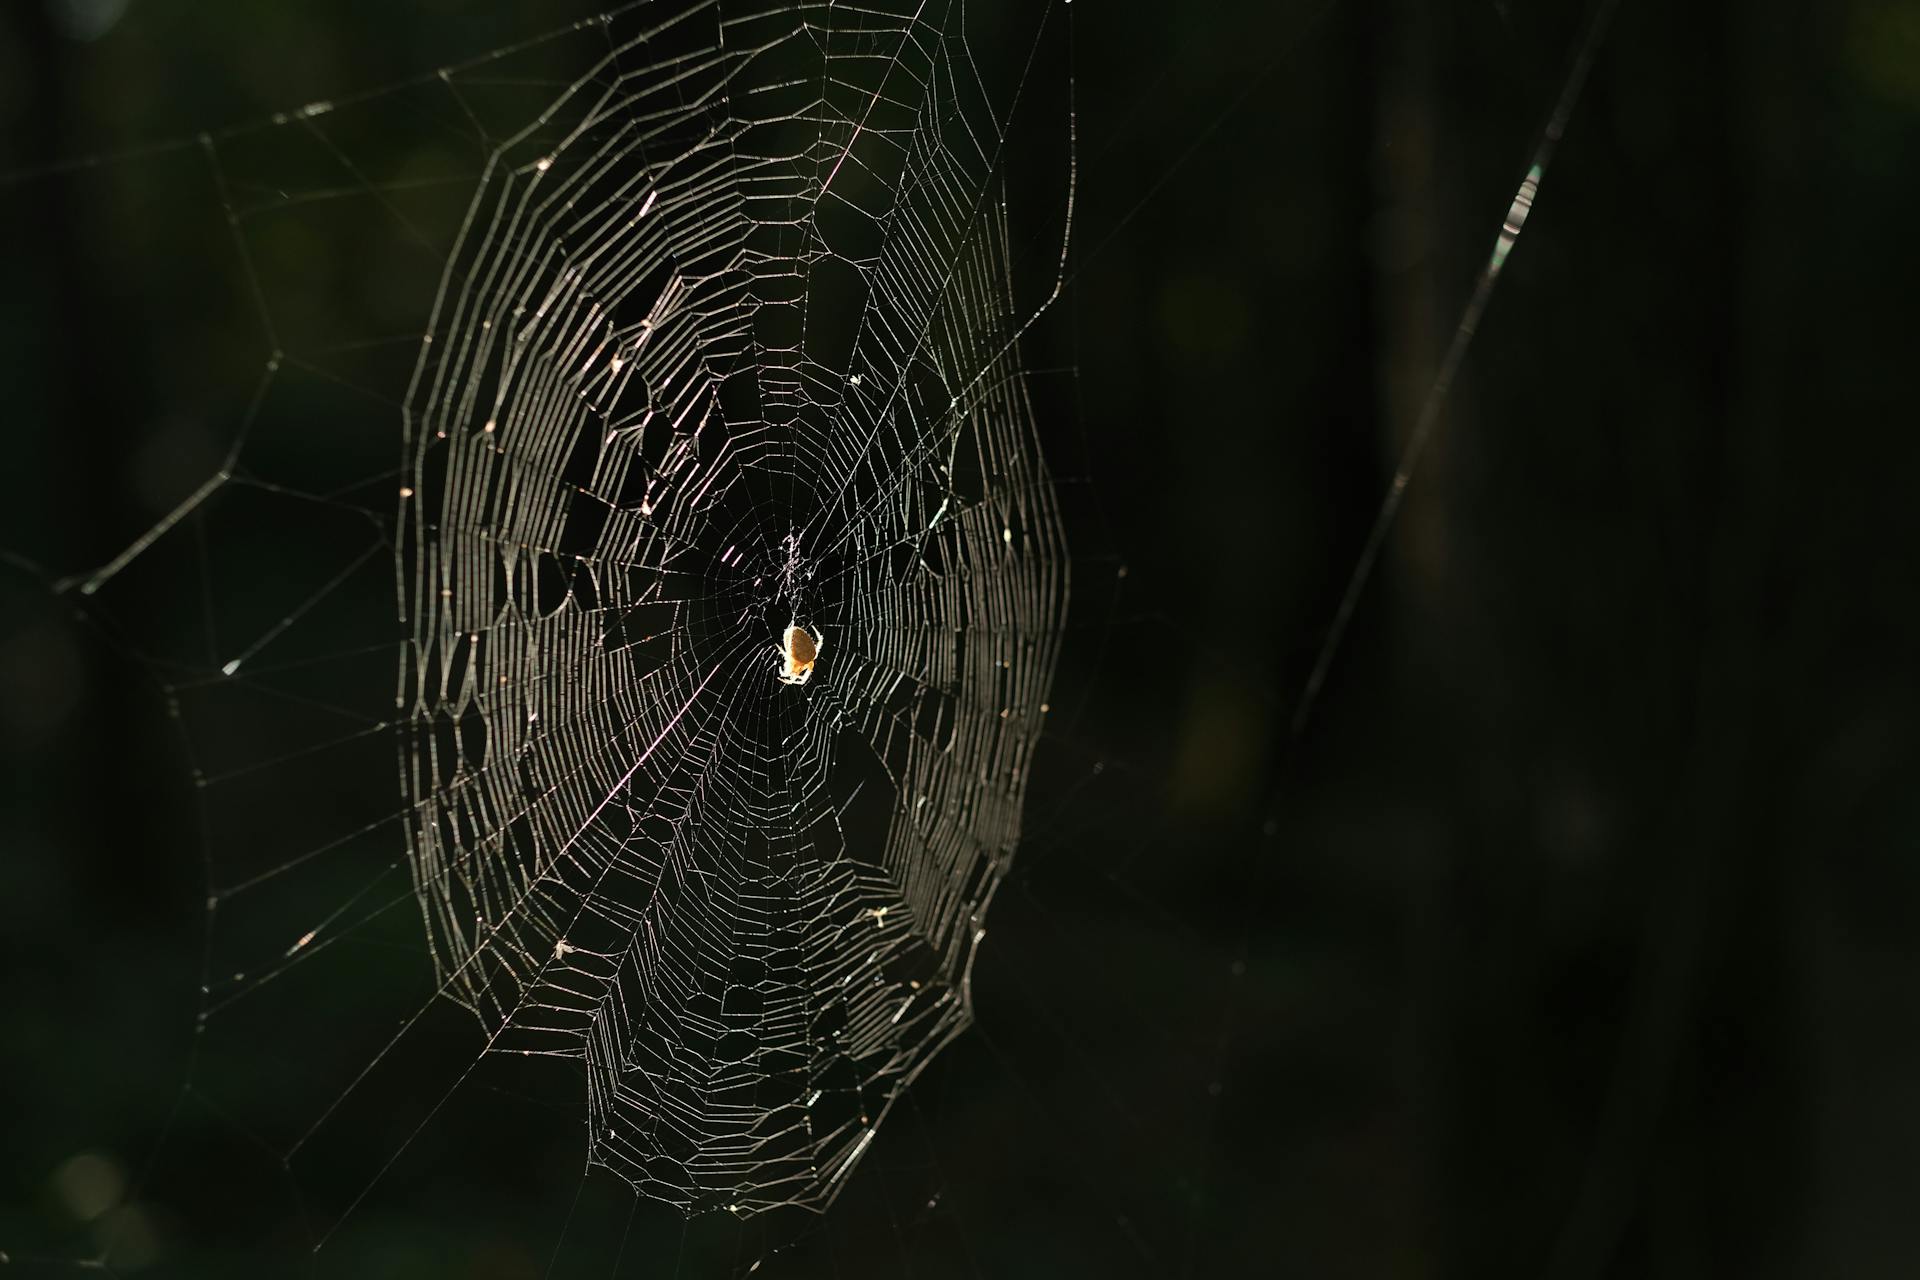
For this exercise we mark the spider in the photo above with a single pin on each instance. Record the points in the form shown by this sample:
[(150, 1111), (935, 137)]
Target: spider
[(798, 649)]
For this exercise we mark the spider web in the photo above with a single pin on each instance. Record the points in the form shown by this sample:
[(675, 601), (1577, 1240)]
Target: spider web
[(632, 464), (508, 814), (724, 340)]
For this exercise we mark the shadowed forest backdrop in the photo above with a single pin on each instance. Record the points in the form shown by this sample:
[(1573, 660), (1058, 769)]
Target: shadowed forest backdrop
[(1574, 937)]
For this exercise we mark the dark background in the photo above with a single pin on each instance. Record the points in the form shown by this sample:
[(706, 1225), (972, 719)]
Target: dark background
[(1574, 937)]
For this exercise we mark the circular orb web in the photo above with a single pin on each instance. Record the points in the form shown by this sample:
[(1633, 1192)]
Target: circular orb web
[(726, 346)]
